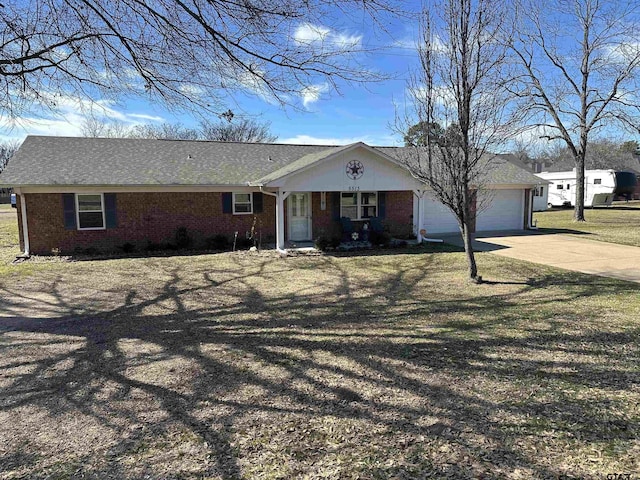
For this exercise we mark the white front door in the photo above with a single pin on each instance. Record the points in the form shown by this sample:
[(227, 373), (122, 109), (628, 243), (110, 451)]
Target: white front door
[(299, 208)]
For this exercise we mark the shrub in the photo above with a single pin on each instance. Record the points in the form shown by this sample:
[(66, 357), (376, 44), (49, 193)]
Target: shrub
[(217, 242), (243, 243), (127, 247), (335, 242), (322, 243), (91, 251), (183, 239), (380, 239), (152, 246)]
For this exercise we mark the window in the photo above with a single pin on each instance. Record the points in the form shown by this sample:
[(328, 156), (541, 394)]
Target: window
[(358, 205), (597, 181), (538, 192), (242, 203), (560, 186), (90, 210), (568, 186)]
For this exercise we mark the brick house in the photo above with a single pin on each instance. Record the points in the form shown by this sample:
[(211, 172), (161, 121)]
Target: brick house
[(76, 193)]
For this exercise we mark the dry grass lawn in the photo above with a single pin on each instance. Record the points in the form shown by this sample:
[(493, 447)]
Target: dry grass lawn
[(251, 366), (617, 224)]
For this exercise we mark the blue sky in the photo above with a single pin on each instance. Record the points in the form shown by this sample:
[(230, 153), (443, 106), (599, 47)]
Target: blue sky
[(358, 112)]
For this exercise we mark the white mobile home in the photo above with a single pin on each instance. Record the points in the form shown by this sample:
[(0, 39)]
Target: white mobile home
[(599, 187)]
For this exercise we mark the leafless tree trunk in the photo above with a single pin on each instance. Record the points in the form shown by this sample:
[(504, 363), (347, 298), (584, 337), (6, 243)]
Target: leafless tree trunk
[(458, 98), (578, 62)]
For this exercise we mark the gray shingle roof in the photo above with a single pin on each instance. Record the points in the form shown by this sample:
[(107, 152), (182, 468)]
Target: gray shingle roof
[(106, 161), (305, 161), (498, 169)]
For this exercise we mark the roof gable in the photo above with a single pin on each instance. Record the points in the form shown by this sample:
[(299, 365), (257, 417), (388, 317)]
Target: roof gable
[(312, 159)]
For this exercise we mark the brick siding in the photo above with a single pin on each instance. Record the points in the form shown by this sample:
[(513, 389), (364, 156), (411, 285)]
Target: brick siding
[(155, 217), (143, 218), (399, 214)]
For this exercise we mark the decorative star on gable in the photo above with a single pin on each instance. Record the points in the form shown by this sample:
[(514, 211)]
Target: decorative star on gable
[(355, 169)]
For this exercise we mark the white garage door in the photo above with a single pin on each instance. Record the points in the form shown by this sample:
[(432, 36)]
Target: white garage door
[(504, 212), (437, 218)]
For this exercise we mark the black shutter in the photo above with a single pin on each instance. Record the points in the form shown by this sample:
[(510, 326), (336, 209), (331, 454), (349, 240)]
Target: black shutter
[(335, 205), (382, 204), (110, 215), (257, 202), (227, 202), (69, 209)]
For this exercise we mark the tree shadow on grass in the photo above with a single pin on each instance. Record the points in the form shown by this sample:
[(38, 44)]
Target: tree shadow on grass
[(366, 371)]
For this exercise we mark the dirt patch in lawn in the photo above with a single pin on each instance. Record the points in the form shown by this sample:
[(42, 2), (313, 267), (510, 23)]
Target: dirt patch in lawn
[(379, 366)]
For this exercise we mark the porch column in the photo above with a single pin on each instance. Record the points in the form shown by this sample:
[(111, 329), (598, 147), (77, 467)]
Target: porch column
[(419, 194), (280, 237), (25, 225)]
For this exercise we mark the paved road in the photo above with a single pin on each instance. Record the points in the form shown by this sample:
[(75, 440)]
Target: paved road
[(563, 251)]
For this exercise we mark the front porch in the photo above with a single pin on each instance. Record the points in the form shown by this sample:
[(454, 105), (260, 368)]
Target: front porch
[(356, 182), (352, 219)]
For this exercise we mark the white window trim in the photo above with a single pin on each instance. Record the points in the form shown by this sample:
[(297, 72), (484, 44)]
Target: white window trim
[(104, 219), (233, 203), (359, 204)]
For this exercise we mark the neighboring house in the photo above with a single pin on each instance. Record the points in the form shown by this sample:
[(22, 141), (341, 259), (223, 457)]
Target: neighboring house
[(76, 193)]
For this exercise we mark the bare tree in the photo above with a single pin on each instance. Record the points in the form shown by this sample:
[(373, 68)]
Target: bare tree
[(459, 85), (7, 149), (579, 61), (602, 154), (189, 54), (94, 127), (166, 131), (242, 130)]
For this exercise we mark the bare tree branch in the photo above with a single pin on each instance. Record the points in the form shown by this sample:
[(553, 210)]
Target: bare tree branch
[(190, 54)]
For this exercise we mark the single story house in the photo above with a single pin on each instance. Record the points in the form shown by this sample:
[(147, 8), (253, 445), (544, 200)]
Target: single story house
[(76, 193)]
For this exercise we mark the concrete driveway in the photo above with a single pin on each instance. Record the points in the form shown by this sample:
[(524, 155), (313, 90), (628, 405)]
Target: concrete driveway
[(562, 251)]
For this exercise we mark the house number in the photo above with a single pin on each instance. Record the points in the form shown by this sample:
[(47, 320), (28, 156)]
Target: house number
[(354, 188)]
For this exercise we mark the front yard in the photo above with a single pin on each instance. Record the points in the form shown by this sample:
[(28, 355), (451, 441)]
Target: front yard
[(242, 365)]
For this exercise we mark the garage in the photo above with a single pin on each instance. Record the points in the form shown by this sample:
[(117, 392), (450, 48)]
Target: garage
[(504, 211), (437, 218)]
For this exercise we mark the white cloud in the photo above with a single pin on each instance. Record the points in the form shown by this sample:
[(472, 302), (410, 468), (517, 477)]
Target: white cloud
[(311, 94), (308, 33), (409, 43), (384, 140), (623, 52), (310, 140), (345, 41), (414, 43), (69, 117), (319, 36), (144, 116)]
